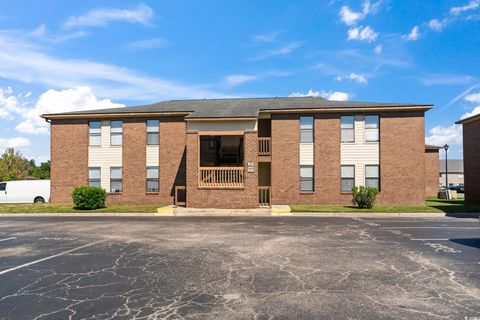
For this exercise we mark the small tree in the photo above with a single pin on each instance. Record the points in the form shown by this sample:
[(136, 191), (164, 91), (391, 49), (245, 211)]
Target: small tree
[(89, 198), (13, 166), (364, 197)]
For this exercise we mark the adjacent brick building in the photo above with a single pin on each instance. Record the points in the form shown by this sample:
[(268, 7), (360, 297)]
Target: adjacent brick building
[(431, 170), (471, 157), (242, 153)]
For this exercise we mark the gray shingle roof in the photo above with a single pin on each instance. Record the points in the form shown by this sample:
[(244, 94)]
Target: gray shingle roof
[(454, 166), (240, 107)]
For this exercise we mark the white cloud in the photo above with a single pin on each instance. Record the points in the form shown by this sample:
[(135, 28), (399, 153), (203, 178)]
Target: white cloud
[(475, 111), (441, 135), (16, 143), (336, 95), (21, 60), (238, 79), (350, 17), (53, 101), (282, 51), (11, 103), (41, 30), (474, 97), (353, 77), (445, 79), (378, 49), (362, 34), (413, 35), (266, 37), (101, 17), (437, 25), (147, 43), (472, 5)]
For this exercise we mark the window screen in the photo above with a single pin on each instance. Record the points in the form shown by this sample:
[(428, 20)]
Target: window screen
[(371, 128), (94, 177), (153, 129), (348, 178), (95, 133), (347, 127), (116, 133), (306, 178), (116, 179), (372, 176), (152, 179)]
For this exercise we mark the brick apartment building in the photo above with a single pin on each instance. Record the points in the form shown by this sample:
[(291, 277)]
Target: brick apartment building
[(242, 153), (471, 157)]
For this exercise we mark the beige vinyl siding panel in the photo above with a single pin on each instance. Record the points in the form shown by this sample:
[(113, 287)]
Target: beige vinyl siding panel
[(306, 154), (247, 125), (105, 156), (359, 174), (359, 128), (367, 153), (153, 155)]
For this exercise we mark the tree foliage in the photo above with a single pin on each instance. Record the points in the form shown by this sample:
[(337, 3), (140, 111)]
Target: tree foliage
[(14, 166)]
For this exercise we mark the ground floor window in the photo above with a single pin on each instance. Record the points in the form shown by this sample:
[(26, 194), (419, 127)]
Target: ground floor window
[(116, 179), (372, 176), (306, 178), (94, 177), (152, 179), (348, 178)]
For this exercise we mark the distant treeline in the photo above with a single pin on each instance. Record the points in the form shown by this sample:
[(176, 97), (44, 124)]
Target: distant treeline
[(14, 166)]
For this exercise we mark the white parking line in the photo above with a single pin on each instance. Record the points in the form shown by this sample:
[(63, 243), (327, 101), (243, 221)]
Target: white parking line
[(388, 228), (428, 239), (50, 257), (6, 239)]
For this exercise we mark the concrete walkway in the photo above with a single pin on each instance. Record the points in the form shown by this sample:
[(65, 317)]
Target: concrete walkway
[(184, 212)]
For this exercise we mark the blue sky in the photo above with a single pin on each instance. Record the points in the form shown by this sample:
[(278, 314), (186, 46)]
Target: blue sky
[(71, 55)]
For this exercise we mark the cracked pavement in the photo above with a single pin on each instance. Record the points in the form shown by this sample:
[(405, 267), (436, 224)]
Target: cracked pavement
[(239, 268)]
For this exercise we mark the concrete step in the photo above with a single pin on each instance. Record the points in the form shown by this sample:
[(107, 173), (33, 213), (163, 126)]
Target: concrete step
[(180, 211)]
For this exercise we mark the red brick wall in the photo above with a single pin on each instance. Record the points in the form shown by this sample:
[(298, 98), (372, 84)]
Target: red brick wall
[(225, 198), (69, 158), (286, 161), (471, 160), (431, 172), (402, 158), (171, 168)]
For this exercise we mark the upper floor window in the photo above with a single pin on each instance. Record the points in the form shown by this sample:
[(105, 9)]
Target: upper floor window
[(348, 178), (347, 127), (372, 176), (306, 129), (116, 133), (95, 133), (371, 128), (153, 130), (94, 177)]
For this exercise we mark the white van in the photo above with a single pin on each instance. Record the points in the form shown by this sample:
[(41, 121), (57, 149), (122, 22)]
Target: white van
[(25, 191)]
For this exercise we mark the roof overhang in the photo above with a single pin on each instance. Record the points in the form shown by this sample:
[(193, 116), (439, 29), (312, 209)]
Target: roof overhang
[(111, 115), (350, 109), (221, 119), (469, 119)]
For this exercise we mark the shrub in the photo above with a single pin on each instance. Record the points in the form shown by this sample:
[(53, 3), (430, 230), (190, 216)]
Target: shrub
[(364, 197), (89, 198)]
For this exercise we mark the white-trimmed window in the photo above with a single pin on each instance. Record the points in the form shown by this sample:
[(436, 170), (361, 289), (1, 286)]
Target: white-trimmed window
[(95, 133), (152, 179), (372, 125), (116, 179), (153, 130), (306, 178), (372, 176), (116, 133), (348, 178), (306, 129), (347, 127), (94, 177)]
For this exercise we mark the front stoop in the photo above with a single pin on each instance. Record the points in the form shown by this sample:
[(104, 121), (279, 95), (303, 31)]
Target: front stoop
[(281, 210), (211, 212), (168, 211)]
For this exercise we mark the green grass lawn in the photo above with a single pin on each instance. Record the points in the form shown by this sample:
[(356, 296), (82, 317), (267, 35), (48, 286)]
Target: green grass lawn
[(432, 204), (52, 208)]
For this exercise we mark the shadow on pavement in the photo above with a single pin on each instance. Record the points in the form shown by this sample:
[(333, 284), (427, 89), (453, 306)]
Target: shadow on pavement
[(471, 242)]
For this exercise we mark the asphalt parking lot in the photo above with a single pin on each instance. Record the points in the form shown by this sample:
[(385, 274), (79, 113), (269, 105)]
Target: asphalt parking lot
[(239, 268)]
